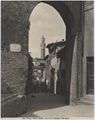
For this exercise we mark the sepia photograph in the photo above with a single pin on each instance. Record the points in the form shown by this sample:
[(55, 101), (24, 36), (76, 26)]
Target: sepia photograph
[(47, 59)]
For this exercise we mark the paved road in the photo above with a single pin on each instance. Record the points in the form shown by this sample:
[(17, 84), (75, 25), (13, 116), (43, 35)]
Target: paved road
[(52, 106)]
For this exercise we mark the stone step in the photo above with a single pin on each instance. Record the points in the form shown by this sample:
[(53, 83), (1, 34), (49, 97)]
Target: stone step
[(88, 99), (13, 106)]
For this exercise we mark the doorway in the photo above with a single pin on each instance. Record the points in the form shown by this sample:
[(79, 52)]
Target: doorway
[(90, 75)]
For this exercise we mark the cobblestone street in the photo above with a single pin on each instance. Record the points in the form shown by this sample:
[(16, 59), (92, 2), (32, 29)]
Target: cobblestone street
[(52, 106)]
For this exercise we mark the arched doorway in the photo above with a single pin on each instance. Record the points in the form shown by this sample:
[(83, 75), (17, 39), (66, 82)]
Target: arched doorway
[(68, 18)]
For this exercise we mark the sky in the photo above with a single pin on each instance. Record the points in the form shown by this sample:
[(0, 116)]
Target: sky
[(44, 20)]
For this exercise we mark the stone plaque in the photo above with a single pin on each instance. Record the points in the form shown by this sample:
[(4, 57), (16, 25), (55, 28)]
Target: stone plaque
[(15, 47)]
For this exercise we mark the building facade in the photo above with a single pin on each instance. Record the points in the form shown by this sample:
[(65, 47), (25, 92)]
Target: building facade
[(52, 65)]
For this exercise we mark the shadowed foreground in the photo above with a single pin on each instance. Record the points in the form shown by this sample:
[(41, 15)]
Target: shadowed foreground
[(52, 106)]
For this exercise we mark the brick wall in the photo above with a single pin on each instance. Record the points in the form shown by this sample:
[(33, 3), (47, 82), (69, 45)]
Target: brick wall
[(14, 70), (14, 29)]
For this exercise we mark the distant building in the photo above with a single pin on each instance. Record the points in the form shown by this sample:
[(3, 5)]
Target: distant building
[(53, 63)]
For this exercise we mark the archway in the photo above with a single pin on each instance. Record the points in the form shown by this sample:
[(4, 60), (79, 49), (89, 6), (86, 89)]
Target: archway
[(68, 18), (45, 20), (16, 16)]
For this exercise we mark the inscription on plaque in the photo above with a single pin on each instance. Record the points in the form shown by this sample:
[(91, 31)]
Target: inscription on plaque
[(15, 47)]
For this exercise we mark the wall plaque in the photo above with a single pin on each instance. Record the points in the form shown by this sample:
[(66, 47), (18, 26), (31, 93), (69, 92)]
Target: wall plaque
[(15, 47)]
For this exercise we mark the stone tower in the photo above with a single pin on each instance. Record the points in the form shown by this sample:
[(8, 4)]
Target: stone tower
[(42, 47)]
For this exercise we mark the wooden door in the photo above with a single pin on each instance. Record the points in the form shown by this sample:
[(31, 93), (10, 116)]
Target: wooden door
[(90, 75)]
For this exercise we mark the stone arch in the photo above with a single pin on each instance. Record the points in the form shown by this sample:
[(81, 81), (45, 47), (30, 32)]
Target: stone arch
[(63, 9)]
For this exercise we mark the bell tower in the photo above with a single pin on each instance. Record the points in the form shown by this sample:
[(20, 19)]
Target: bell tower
[(42, 47)]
